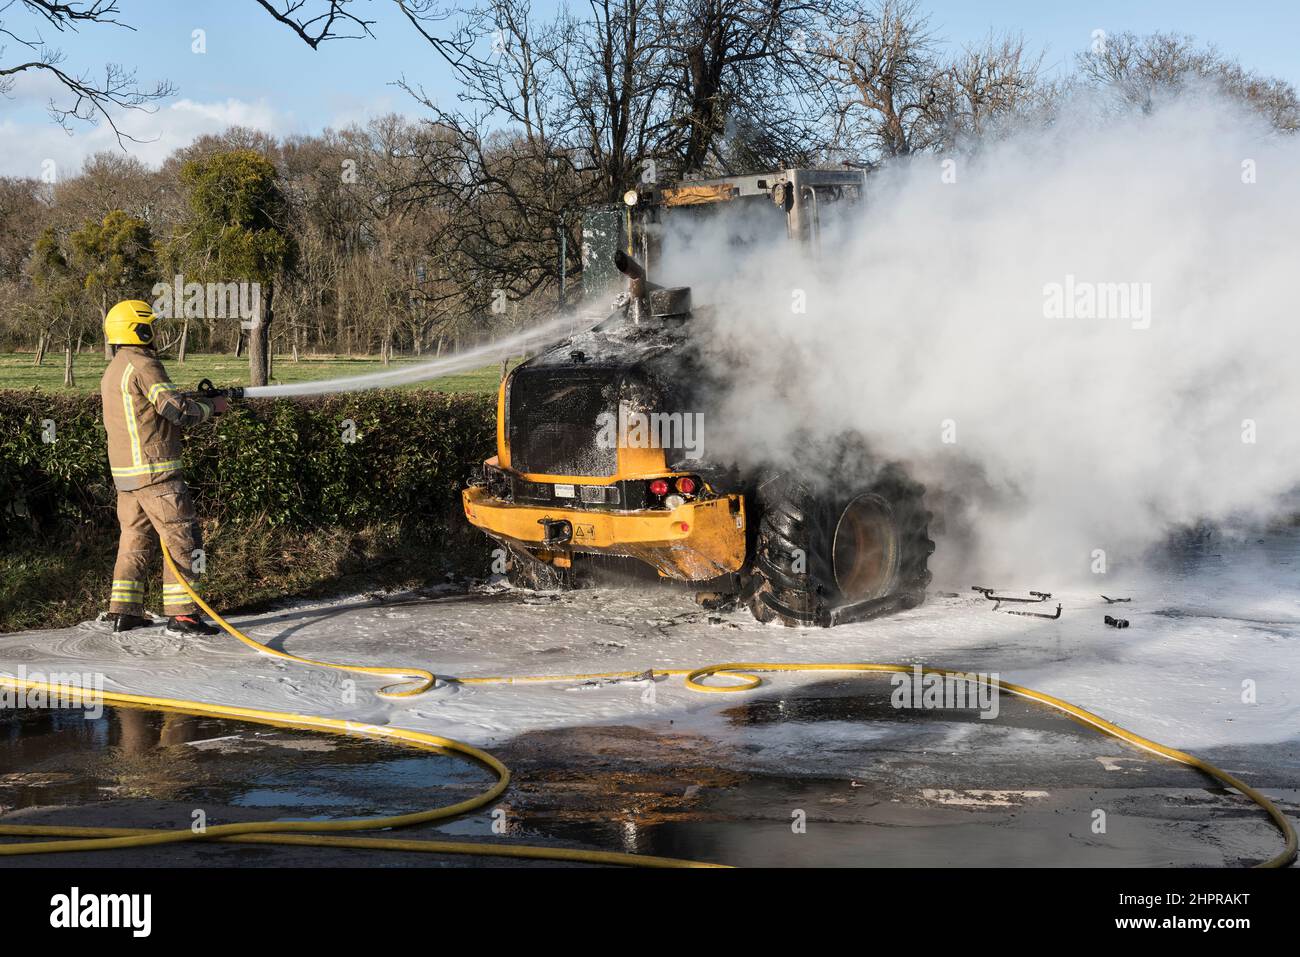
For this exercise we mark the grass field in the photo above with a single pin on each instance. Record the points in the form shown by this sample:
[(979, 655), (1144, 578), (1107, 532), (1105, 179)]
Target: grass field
[(18, 372)]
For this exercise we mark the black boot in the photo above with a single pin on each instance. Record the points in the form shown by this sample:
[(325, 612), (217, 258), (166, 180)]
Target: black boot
[(124, 622), (188, 626)]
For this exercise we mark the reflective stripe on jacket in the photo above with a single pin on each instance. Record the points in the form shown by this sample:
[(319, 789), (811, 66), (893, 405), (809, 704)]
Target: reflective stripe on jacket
[(143, 416)]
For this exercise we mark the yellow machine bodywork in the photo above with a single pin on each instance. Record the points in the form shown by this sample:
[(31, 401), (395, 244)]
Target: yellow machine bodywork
[(701, 539)]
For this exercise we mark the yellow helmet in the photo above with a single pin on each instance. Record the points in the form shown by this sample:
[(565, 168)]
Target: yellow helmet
[(129, 323)]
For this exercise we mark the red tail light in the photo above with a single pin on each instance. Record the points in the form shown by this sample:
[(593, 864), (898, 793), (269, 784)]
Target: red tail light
[(658, 487), (686, 485)]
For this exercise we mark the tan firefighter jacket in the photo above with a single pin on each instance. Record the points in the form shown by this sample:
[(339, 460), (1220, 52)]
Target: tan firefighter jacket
[(143, 415)]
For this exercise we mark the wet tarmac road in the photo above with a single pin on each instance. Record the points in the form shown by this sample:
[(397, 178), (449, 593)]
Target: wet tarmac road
[(814, 771), (939, 788)]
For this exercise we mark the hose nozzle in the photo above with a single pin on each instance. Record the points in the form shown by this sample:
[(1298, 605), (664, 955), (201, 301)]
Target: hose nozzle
[(206, 390)]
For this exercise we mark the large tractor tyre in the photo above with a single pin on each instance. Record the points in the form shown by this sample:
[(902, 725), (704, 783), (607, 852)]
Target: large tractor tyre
[(828, 559), (525, 571)]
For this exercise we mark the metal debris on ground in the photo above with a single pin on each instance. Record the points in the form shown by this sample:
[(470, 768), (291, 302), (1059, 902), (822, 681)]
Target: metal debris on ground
[(1034, 614), (1117, 622), (1035, 596)]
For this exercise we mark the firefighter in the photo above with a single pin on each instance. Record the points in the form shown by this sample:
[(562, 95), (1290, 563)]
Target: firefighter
[(143, 416)]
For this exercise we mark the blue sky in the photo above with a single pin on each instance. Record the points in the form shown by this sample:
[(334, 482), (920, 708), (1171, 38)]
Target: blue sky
[(257, 73)]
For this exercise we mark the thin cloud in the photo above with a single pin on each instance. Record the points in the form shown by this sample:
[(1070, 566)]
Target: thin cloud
[(32, 142)]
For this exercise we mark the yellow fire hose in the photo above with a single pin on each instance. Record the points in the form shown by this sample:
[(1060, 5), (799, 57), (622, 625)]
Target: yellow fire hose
[(322, 833)]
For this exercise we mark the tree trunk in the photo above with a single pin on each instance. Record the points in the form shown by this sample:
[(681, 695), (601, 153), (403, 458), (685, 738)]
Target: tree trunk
[(40, 350), (185, 336), (103, 305), (259, 340), (340, 323), (239, 344), (68, 378), (257, 353), (386, 348)]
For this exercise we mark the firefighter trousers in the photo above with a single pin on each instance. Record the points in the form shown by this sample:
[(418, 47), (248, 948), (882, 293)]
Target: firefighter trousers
[(163, 511)]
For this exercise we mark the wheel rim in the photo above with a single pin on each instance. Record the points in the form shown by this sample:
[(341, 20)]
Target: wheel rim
[(865, 549)]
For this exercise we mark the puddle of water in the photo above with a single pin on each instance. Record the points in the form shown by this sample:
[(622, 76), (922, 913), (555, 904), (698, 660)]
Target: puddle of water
[(860, 783), (844, 700), (928, 789), (800, 822), (65, 757)]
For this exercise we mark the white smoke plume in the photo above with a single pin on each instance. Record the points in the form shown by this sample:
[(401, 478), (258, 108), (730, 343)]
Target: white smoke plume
[(951, 325)]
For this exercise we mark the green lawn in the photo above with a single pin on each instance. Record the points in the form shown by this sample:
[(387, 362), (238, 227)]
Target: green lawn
[(18, 372)]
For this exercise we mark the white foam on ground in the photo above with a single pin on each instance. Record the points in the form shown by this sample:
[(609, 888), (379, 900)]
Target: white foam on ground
[(1176, 675)]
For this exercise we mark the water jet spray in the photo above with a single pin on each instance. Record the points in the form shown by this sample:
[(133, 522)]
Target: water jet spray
[(518, 344)]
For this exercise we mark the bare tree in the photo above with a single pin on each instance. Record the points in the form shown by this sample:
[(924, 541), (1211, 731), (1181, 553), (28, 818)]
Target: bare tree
[(21, 215), (984, 85), (546, 123), (899, 93), (1142, 68), (884, 59), (316, 22), (575, 110), (744, 88), (88, 97)]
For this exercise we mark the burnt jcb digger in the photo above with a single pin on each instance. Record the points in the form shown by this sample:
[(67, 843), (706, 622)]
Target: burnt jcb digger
[(597, 458)]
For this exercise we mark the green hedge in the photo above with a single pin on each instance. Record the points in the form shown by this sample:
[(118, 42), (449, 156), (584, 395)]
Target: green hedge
[(282, 463)]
